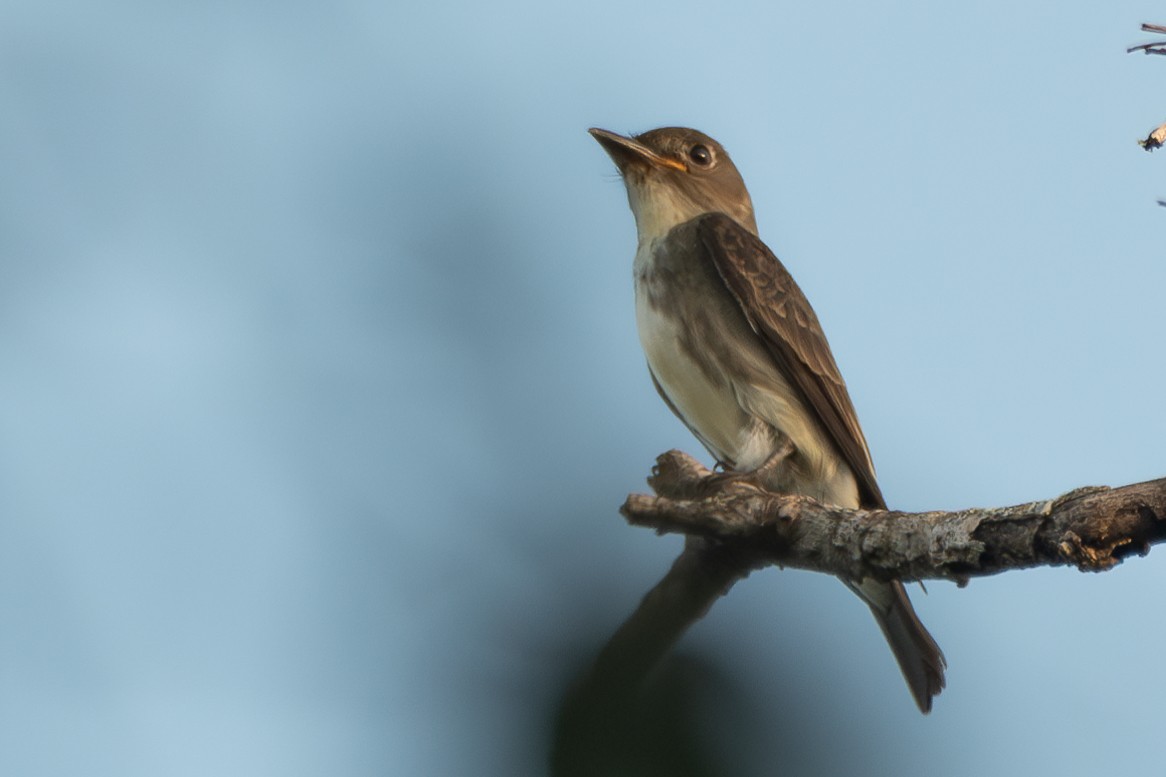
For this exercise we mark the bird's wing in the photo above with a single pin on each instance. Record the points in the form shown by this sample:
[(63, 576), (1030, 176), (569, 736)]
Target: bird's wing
[(778, 311)]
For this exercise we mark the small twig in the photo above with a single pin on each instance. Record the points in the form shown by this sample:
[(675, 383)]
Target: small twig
[(1158, 136), (1148, 48), (1151, 48)]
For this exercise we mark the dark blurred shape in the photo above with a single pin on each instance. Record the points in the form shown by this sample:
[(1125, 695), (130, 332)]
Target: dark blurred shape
[(637, 711), (655, 730), (633, 711)]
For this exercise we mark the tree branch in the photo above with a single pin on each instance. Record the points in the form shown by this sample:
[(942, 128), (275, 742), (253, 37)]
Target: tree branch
[(1150, 48), (1093, 528), (734, 527)]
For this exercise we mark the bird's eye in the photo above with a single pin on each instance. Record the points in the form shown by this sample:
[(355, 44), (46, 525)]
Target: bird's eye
[(700, 155)]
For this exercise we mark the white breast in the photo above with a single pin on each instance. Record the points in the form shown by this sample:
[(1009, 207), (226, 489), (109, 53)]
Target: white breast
[(741, 415), (708, 404)]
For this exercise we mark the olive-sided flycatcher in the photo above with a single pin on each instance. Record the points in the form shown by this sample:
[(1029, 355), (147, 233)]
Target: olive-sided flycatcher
[(737, 353)]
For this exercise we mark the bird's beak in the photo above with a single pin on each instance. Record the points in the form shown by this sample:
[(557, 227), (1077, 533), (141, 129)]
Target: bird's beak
[(626, 152)]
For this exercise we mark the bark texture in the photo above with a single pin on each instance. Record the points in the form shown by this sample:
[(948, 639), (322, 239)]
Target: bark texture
[(1092, 528)]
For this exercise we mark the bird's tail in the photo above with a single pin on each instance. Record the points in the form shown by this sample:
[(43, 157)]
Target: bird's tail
[(919, 657), (704, 572)]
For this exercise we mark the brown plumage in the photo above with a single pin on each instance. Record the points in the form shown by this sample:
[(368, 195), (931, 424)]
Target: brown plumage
[(738, 354)]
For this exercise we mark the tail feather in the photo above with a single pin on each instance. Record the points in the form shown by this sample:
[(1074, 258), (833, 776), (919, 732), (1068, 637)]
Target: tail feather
[(919, 657)]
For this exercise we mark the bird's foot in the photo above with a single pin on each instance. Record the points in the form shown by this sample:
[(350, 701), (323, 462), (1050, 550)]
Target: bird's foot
[(757, 478)]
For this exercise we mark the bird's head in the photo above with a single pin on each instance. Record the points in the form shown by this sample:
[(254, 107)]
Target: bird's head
[(673, 175)]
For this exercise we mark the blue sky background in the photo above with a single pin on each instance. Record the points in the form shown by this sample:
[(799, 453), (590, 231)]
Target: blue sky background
[(320, 386)]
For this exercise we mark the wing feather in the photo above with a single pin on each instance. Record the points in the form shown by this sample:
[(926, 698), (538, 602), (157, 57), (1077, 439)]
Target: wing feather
[(780, 313)]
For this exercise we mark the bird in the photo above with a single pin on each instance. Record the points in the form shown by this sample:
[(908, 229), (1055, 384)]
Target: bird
[(739, 356)]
